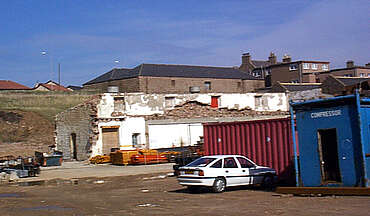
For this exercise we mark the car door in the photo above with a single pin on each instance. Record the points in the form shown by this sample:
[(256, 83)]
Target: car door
[(231, 171), (246, 174)]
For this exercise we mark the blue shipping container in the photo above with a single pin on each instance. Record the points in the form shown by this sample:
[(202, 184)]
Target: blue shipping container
[(333, 139)]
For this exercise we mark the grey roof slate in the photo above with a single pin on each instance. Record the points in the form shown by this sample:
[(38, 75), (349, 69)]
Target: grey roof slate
[(165, 70), (260, 63), (297, 87), (348, 81)]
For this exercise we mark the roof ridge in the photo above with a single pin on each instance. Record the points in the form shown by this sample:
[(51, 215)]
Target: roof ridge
[(229, 67)]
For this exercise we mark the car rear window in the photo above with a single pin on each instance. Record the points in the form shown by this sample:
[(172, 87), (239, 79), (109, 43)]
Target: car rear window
[(200, 162)]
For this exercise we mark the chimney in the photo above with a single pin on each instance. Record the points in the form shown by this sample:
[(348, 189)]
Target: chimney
[(246, 58), (272, 58), (350, 64), (287, 58), (367, 65)]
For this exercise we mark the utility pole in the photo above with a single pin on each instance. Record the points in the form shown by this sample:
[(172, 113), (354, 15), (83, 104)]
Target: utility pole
[(59, 73)]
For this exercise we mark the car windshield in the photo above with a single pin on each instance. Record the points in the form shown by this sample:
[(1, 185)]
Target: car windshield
[(201, 162)]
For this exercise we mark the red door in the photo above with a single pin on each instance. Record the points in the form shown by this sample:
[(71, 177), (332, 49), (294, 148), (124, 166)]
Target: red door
[(214, 102)]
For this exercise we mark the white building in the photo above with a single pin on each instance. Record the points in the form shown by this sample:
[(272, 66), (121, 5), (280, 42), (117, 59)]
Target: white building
[(137, 120)]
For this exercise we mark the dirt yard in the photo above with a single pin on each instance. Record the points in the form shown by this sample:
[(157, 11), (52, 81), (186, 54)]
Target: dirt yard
[(155, 194), (22, 133)]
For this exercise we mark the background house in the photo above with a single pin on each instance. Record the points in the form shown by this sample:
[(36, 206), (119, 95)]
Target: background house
[(50, 86), (296, 71), (179, 79), (351, 70), (337, 85), (10, 85)]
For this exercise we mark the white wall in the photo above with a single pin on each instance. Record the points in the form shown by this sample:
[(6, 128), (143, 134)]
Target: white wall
[(125, 131), (172, 135), (150, 104)]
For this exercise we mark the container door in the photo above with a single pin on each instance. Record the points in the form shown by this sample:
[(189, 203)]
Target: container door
[(328, 154)]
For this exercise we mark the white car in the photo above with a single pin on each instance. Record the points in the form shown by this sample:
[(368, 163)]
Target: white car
[(221, 171)]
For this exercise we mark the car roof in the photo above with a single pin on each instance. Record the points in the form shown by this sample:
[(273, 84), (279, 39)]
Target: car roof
[(223, 156)]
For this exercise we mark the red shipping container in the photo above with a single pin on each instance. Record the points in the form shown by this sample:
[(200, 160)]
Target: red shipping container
[(266, 142)]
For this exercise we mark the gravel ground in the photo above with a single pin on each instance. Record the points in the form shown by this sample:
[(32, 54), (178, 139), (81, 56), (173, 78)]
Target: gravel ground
[(158, 194)]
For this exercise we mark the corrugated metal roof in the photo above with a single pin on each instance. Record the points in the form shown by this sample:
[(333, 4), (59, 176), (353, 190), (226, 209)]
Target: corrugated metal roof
[(166, 70)]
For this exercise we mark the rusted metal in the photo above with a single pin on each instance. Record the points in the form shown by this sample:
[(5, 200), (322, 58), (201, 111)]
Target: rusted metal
[(349, 191), (267, 142)]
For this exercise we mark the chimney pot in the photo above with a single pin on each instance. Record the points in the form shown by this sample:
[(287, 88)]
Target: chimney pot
[(272, 58), (350, 64), (287, 58)]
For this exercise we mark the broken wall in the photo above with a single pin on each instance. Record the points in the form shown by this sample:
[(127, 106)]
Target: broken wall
[(139, 104), (74, 132)]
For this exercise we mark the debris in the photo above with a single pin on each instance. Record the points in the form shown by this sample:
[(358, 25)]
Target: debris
[(148, 205), (100, 159), (99, 182), (13, 176)]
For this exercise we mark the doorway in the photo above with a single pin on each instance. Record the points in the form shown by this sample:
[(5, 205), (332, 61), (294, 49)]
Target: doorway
[(110, 139), (73, 146), (328, 152)]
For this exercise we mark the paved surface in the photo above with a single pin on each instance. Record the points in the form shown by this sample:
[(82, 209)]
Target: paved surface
[(156, 194), (73, 170)]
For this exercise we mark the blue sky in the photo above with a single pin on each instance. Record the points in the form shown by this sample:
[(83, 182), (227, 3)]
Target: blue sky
[(86, 37)]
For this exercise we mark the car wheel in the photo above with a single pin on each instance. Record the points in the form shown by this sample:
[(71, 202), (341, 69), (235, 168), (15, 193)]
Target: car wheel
[(193, 189), (268, 182), (219, 185)]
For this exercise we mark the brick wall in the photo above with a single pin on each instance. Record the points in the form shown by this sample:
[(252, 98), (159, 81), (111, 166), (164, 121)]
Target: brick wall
[(125, 85), (282, 74), (181, 85), (332, 86)]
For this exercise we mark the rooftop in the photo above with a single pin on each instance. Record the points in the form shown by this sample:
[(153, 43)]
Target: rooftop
[(10, 85), (167, 70)]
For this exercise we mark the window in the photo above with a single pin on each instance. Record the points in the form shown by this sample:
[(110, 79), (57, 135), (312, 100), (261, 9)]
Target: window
[(314, 66), (258, 100), (239, 85), (294, 81), (368, 75), (173, 83), (135, 139), (268, 72), (119, 104), (306, 65), (201, 162), (230, 163), (244, 163), (362, 74), (207, 86), (293, 67), (325, 67), (169, 101), (218, 164)]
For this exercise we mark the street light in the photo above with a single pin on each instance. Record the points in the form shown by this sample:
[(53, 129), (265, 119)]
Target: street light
[(44, 53)]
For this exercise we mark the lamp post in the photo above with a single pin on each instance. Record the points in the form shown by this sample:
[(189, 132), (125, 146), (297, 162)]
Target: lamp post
[(44, 53)]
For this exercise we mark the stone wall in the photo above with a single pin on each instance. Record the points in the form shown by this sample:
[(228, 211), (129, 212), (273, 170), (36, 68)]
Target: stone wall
[(77, 122)]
